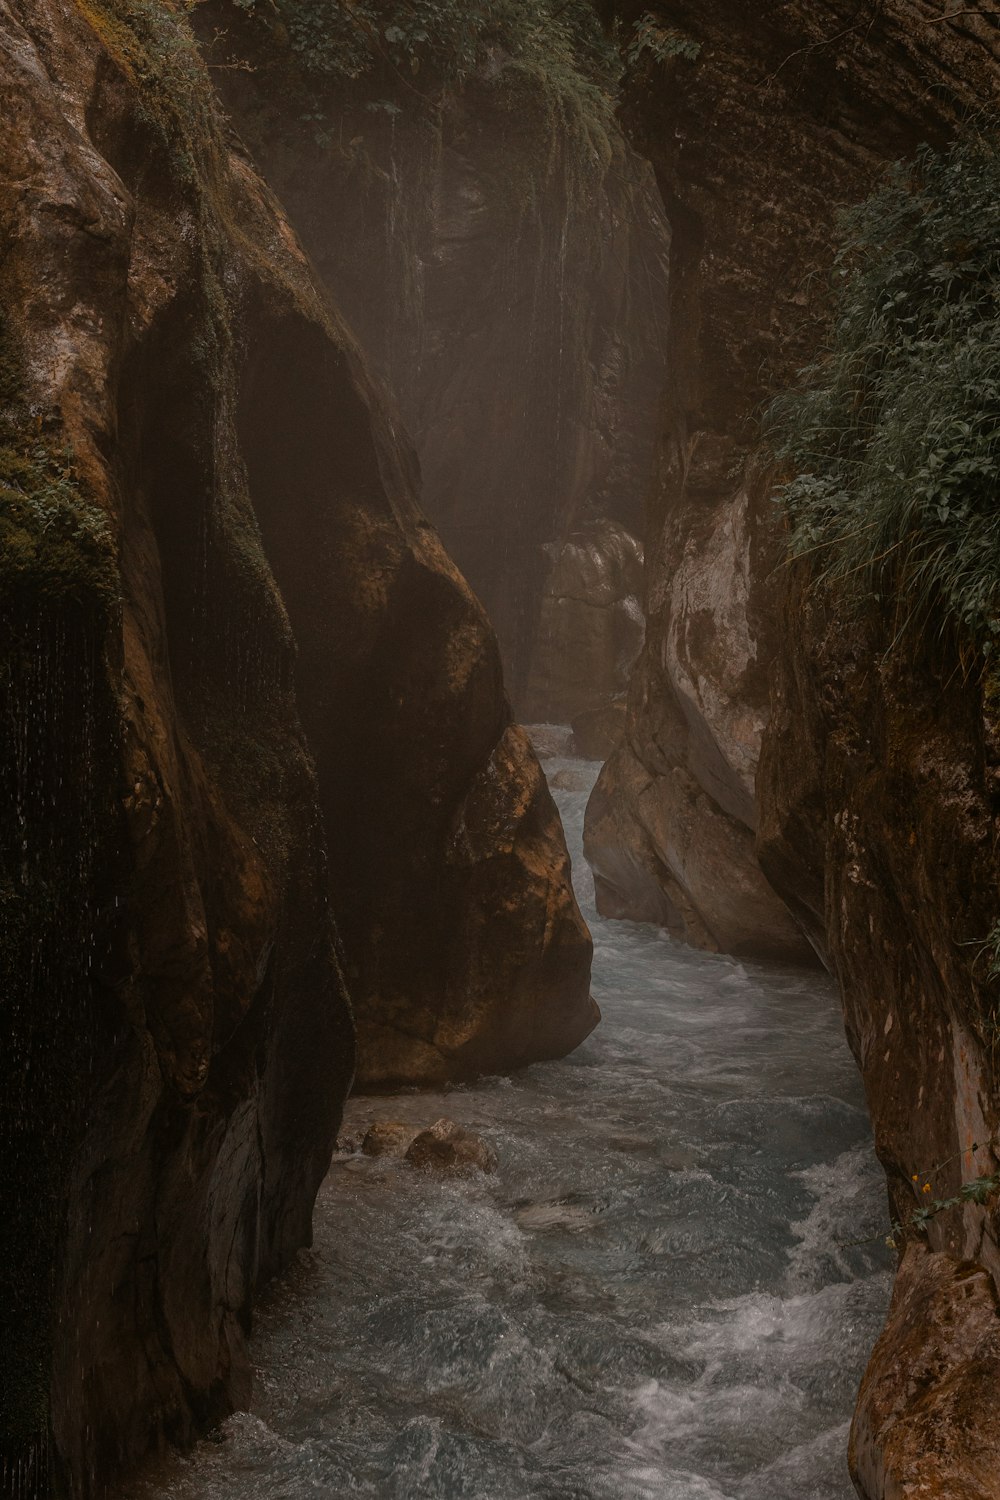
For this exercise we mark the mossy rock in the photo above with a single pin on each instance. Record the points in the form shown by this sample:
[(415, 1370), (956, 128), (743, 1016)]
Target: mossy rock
[(54, 544)]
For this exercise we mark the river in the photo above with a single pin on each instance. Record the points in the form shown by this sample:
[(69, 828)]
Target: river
[(657, 1297)]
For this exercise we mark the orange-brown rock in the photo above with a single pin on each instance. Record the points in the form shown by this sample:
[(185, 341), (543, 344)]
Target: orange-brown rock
[(873, 789), (590, 623), (242, 690), (451, 1149), (926, 1427)]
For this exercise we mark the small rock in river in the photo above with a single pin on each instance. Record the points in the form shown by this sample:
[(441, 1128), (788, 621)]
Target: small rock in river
[(350, 1142), (571, 780), (389, 1138), (447, 1147)]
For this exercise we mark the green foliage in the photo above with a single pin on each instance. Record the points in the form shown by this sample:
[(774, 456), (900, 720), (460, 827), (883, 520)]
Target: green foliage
[(54, 543), (153, 43), (893, 436), (977, 1190), (649, 40), (442, 40)]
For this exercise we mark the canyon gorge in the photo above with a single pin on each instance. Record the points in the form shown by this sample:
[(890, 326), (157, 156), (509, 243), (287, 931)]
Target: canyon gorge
[(377, 379)]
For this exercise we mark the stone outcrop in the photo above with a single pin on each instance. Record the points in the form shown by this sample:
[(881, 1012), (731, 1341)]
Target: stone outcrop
[(597, 732), (590, 625), (243, 692), (879, 794), (755, 144), (942, 1438), (670, 827), (499, 251), (874, 792)]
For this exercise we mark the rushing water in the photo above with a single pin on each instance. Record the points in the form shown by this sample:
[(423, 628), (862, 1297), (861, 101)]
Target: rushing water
[(655, 1297)]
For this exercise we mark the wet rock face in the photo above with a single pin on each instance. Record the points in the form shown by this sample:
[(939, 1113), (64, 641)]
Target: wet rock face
[(878, 789), (242, 691), (590, 628), (755, 144), (872, 789), (500, 253), (670, 827), (943, 1441), (444, 1147)]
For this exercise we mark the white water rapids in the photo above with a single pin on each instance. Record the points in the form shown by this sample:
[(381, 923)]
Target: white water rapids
[(655, 1297)]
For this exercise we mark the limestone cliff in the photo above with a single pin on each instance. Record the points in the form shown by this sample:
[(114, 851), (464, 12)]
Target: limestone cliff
[(499, 252), (872, 787), (243, 691)]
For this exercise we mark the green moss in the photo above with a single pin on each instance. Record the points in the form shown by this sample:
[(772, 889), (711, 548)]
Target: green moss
[(54, 544), (390, 58), (153, 44)]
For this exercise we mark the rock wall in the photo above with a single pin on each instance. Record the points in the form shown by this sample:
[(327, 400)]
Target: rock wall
[(242, 690), (499, 251), (872, 791), (880, 825), (590, 625), (755, 141)]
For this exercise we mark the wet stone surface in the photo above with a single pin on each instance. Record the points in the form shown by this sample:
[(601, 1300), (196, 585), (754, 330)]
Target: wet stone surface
[(653, 1298)]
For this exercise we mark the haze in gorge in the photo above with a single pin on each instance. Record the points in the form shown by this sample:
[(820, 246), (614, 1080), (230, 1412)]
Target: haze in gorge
[(499, 749)]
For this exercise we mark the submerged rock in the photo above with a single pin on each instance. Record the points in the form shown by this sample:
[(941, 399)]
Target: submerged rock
[(447, 1147), (569, 779)]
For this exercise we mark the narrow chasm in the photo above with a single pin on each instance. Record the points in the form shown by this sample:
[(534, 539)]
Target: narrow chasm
[(669, 1286), (499, 907)]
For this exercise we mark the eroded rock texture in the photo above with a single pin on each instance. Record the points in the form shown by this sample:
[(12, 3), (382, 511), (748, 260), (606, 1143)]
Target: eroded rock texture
[(500, 253), (755, 145), (879, 823), (590, 625), (242, 687), (875, 789)]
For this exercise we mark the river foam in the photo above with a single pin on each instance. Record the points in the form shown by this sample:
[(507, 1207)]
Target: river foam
[(659, 1296)]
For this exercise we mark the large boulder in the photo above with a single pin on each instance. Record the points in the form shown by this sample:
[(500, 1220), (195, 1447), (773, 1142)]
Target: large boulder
[(254, 738)]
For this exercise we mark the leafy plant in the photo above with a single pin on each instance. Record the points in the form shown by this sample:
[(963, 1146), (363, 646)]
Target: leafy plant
[(649, 39), (55, 543), (446, 40), (892, 438), (977, 1190)]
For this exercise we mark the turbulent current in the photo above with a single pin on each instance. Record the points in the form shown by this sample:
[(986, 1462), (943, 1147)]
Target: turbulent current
[(661, 1294)]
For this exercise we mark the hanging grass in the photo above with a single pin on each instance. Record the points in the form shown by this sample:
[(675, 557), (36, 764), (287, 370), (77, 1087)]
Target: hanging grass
[(893, 434)]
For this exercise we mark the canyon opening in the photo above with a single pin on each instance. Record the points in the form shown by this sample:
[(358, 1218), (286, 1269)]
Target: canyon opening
[(500, 750)]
